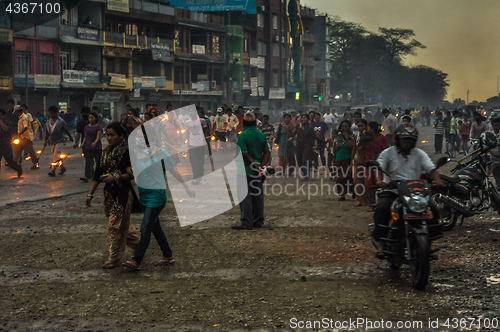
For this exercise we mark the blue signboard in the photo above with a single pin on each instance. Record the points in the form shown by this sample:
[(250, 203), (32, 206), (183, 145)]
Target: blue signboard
[(248, 6)]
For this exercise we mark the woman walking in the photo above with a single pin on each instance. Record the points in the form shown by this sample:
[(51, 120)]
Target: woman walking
[(306, 143), (152, 161), (119, 197), (93, 147), (286, 153), (343, 144)]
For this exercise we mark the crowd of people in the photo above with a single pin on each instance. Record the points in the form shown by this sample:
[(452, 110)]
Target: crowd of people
[(342, 143)]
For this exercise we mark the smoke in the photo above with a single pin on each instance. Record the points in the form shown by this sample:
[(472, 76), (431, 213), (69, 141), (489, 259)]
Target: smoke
[(460, 36)]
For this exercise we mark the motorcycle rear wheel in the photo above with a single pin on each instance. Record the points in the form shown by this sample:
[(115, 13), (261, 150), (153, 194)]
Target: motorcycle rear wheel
[(419, 260), (450, 222)]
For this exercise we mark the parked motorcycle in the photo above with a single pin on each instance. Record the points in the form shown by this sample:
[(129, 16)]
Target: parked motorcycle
[(469, 190), (408, 240)]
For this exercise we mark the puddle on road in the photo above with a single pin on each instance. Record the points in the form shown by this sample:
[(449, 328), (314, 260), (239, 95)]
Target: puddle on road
[(52, 230), (16, 275)]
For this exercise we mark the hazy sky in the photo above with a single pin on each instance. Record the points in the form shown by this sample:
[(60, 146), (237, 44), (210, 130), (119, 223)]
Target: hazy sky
[(462, 36)]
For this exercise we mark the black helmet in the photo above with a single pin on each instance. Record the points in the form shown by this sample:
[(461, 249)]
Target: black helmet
[(487, 141), (408, 131)]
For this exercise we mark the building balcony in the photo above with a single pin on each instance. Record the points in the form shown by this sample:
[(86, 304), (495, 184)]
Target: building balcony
[(79, 79), (198, 19), (152, 83), (6, 82), (308, 38), (306, 12), (134, 41), (32, 30), (83, 35)]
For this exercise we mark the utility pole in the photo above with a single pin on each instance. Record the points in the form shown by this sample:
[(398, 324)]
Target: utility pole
[(498, 84), (467, 97), (27, 63)]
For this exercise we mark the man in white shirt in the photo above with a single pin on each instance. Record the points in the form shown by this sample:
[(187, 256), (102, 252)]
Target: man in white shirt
[(404, 162), (389, 125), (232, 124), (328, 119)]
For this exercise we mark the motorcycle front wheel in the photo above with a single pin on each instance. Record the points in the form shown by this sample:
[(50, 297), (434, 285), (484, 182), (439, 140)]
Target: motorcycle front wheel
[(419, 260)]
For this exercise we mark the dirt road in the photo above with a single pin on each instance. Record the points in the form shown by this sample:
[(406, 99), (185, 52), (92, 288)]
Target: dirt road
[(312, 260)]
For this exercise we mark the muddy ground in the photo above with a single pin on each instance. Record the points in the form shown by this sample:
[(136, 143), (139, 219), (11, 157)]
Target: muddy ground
[(312, 260)]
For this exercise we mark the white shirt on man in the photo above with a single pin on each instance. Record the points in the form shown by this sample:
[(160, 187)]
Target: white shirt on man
[(400, 168), (328, 118)]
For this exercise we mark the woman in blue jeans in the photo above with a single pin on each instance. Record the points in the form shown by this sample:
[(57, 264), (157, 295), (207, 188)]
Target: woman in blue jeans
[(150, 164)]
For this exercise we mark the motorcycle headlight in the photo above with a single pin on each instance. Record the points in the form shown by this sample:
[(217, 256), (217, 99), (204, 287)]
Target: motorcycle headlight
[(417, 203)]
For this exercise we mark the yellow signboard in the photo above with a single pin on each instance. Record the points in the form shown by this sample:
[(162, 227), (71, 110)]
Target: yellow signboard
[(118, 5)]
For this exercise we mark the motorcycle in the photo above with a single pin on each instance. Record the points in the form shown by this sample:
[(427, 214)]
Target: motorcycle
[(408, 240), (468, 191)]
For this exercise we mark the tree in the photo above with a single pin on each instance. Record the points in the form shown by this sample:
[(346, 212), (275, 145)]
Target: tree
[(397, 45)]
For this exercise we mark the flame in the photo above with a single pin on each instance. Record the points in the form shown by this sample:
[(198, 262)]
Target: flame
[(425, 141), (239, 132), (83, 155), (382, 128), (178, 132), (183, 131), (62, 155), (39, 151), (27, 158), (213, 138), (186, 141), (16, 141)]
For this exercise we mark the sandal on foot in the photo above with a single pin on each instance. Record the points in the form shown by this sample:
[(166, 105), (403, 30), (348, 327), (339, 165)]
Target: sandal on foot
[(131, 265), (109, 265), (359, 204), (63, 169), (52, 173), (165, 262)]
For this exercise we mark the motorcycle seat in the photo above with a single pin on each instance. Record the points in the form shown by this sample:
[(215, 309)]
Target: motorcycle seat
[(454, 179)]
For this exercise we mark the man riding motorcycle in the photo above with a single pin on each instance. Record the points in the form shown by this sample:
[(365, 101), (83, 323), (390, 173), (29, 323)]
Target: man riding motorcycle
[(403, 162)]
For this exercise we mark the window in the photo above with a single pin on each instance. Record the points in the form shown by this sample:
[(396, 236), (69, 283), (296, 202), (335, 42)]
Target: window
[(276, 49), (284, 51), (47, 64), (260, 20), (131, 29), (283, 24), (123, 67), (110, 65), (262, 48), (21, 64), (276, 80), (216, 44), (275, 22), (177, 75), (327, 48), (261, 78), (136, 68), (245, 45), (65, 60), (283, 80)]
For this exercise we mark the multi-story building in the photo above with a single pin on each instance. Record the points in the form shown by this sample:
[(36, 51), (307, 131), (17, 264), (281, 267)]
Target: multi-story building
[(36, 63), (309, 88), (80, 51), (323, 65), (200, 58), (258, 43)]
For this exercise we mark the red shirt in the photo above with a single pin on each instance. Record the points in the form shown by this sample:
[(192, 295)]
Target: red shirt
[(465, 130), (240, 124)]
